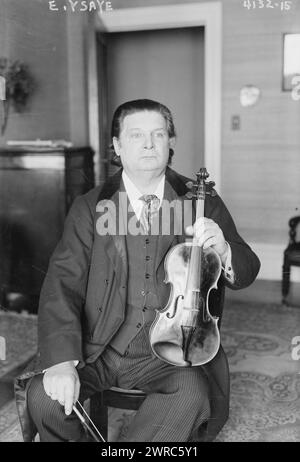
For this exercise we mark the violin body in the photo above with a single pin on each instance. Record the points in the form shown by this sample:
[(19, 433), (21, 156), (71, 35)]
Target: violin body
[(184, 333)]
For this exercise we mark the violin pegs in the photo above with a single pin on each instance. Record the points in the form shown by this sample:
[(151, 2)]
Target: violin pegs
[(209, 188), (189, 195), (212, 193), (189, 184)]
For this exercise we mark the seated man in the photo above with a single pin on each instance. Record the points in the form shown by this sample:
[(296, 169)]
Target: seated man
[(103, 288)]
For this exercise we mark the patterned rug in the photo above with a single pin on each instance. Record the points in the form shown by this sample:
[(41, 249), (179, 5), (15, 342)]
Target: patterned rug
[(265, 380), (20, 334)]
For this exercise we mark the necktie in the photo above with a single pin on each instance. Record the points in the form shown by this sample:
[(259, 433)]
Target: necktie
[(149, 210)]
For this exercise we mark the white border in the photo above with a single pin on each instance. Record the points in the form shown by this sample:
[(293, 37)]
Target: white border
[(166, 17)]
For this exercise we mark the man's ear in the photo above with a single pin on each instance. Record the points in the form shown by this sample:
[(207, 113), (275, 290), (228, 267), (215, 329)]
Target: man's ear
[(172, 142), (117, 145)]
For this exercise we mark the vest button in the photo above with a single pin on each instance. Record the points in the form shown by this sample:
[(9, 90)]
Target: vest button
[(100, 309), (143, 292), (144, 309), (147, 258), (147, 275), (147, 240), (139, 325)]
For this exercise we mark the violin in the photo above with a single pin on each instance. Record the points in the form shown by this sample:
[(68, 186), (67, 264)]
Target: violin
[(184, 333)]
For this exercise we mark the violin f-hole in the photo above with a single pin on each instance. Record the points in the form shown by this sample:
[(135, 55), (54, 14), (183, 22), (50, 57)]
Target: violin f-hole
[(170, 316)]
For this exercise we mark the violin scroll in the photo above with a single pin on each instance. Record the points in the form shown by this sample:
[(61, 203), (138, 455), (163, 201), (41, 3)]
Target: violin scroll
[(200, 184)]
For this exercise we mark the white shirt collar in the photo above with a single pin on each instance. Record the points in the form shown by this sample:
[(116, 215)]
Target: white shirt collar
[(134, 194)]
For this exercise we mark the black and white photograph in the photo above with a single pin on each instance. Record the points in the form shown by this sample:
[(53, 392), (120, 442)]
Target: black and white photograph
[(149, 223)]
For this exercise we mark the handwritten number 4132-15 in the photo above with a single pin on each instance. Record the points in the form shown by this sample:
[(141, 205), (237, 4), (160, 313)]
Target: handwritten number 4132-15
[(283, 5)]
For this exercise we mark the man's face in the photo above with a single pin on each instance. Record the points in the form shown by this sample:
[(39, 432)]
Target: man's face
[(144, 142)]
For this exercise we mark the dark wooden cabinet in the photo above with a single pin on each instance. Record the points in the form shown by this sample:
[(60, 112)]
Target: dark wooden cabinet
[(37, 188)]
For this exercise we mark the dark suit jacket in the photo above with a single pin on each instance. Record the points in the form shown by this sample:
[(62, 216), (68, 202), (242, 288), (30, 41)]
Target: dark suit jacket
[(83, 298)]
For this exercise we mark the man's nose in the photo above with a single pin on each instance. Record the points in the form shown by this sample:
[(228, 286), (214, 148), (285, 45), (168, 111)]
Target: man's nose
[(148, 141)]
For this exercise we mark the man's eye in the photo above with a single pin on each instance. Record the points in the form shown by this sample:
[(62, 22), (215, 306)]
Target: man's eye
[(136, 135), (159, 134)]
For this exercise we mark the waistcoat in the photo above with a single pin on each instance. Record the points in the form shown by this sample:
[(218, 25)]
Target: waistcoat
[(142, 298)]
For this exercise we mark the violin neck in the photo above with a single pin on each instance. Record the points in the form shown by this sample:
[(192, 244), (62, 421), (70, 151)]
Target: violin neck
[(193, 280), (199, 214)]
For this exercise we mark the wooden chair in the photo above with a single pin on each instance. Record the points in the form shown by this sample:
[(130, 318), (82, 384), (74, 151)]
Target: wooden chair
[(291, 257), (114, 397)]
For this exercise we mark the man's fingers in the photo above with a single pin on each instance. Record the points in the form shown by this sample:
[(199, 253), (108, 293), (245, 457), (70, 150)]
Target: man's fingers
[(210, 242), (46, 384), (59, 383), (201, 225), (53, 389), (71, 392), (69, 399), (50, 386), (61, 393), (47, 390), (205, 233), (77, 389), (189, 230)]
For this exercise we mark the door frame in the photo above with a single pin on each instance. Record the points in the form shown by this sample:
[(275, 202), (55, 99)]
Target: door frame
[(204, 14)]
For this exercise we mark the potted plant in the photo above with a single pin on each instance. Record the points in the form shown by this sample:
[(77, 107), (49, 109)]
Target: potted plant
[(19, 85)]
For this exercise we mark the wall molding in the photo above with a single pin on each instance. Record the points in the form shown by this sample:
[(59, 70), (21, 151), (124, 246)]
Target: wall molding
[(166, 17), (271, 257)]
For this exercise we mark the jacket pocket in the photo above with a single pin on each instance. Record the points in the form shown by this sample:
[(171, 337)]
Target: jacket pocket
[(108, 285), (110, 314)]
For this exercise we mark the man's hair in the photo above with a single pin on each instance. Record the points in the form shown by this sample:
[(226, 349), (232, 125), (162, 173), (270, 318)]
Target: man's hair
[(139, 105)]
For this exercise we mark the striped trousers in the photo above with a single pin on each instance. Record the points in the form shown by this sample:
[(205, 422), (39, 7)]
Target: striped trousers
[(177, 401)]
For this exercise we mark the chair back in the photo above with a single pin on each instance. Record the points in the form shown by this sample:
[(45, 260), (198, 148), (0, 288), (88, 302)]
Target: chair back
[(293, 223)]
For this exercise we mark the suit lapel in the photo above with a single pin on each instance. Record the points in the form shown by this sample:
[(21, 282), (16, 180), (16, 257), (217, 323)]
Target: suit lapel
[(114, 243), (165, 241)]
